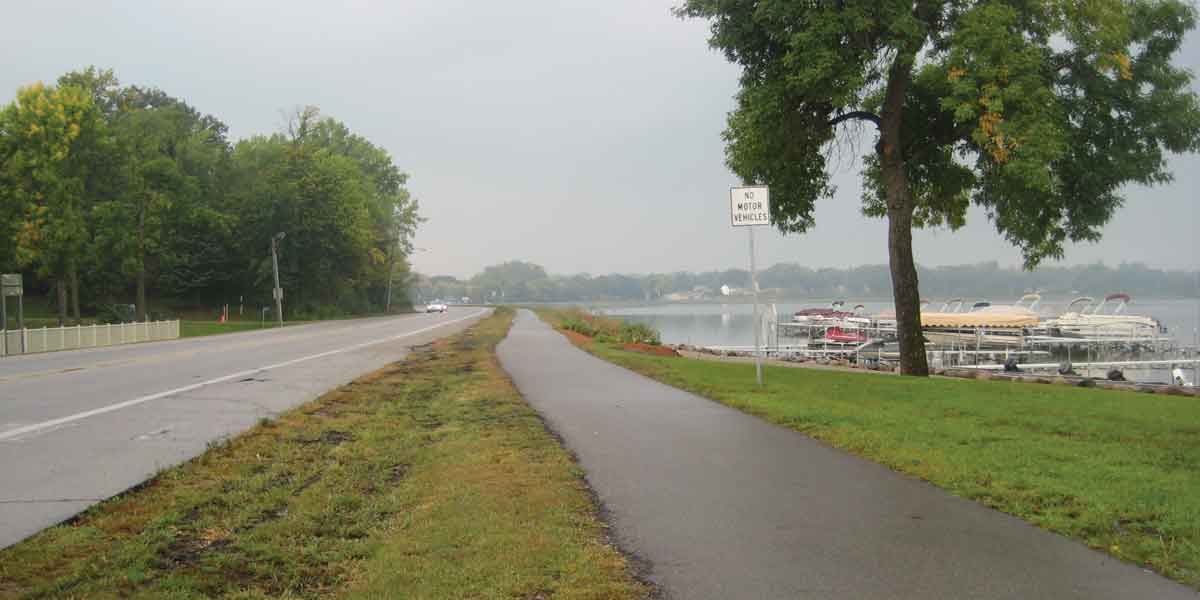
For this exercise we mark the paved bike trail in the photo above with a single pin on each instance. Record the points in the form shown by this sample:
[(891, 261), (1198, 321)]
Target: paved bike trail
[(720, 504)]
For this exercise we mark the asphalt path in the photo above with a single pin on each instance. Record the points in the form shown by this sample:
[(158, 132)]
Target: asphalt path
[(720, 504), (80, 426)]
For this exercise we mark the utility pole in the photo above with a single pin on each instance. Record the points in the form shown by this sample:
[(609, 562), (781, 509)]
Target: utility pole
[(387, 303), (278, 291)]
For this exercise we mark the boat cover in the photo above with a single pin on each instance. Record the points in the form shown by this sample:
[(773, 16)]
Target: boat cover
[(986, 318), (1090, 320)]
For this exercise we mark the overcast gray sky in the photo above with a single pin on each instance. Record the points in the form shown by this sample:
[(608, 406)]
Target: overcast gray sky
[(582, 135)]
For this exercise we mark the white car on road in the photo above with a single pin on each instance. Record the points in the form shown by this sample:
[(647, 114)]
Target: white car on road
[(436, 307)]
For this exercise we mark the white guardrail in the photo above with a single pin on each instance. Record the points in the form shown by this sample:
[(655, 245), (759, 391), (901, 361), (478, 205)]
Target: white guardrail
[(54, 339)]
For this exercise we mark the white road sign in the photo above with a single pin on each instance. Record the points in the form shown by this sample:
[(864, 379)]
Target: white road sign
[(11, 284), (750, 206)]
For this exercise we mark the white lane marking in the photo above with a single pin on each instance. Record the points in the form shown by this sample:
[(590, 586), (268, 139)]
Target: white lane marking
[(20, 431), (20, 438), (199, 345)]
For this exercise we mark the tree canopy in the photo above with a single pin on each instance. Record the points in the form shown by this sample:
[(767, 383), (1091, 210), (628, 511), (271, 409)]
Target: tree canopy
[(1039, 112), (126, 191)]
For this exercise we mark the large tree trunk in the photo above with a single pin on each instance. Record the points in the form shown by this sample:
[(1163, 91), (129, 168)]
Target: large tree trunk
[(906, 293), (905, 287), (74, 277), (60, 285)]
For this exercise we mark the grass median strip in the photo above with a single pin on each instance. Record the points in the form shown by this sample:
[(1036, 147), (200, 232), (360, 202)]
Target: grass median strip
[(1118, 470), (205, 328), (431, 478)]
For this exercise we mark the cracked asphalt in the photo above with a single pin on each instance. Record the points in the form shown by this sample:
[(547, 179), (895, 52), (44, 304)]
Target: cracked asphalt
[(81, 426), (720, 504)]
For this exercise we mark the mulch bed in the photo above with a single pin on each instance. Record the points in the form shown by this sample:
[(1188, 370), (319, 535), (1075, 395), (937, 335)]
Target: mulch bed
[(576, 338)]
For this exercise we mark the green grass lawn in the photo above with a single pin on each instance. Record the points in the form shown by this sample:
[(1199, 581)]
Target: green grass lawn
[(431, 478), (202, 328), (1118, 470)]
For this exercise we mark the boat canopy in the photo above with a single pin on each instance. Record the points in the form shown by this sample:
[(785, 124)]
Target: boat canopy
[(987, 318), (1122, 299), (956, 303), (1033, 300), (1086, 301)]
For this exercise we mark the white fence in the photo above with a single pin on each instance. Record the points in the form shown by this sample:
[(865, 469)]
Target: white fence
[(31, 341)]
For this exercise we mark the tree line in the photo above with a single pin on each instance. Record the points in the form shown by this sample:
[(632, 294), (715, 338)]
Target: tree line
[(115, 193), (518, 281)]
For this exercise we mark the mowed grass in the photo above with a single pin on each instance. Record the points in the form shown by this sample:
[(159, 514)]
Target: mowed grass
[(202, 328), (429, 479), (1119, 471)]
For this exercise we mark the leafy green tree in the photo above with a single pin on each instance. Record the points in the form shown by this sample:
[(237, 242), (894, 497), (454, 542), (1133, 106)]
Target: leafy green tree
[(49, 131), (507, 281), (154, 182), (200, 222), (393, 212), (11, 199), (1038, 112), (101, 180), (322, 201), (101, 84), (168, 215)]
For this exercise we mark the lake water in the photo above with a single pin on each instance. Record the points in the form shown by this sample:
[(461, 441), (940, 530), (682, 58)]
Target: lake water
[(716, 324)]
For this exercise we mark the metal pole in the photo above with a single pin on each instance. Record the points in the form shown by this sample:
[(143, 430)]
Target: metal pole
[(4, 328), (21, 320), (758, 372), (277, 290), (387, 304)]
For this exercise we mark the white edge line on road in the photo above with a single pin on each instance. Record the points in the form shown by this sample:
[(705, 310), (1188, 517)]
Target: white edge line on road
[(20, 431)]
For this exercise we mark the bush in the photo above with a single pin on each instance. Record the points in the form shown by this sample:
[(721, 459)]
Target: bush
[(608, 330), (579, 326), (115, 313), (638, 333)]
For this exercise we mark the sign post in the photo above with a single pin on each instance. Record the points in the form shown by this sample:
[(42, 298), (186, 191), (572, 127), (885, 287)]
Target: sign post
[(12, 285), (751, 207)]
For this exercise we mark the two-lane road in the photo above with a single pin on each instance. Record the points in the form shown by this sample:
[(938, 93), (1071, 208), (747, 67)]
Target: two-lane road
[(78, 427)]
